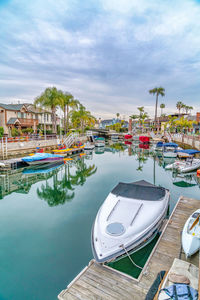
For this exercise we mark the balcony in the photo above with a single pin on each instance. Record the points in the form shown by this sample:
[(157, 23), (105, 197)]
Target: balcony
[(27, 122)]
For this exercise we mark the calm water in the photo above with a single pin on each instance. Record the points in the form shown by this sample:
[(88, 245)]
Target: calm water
[(46, 218)]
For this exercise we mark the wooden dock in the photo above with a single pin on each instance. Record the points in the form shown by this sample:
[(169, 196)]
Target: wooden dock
[(99, 282)]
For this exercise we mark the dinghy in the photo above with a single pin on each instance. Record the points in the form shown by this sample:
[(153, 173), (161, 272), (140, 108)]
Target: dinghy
[(129, 218), (189, 165), (191, 234), (169, 150), (89, 146), (99, 142)]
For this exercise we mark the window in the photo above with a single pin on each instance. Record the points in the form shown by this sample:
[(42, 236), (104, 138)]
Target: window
[(25, 115), (19, 114), (47, 117)]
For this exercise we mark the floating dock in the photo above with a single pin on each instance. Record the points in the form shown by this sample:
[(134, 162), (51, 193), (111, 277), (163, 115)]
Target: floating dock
[(100, 282)]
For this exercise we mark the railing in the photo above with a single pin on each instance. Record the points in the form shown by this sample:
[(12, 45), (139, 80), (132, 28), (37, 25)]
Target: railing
[(70, 139), (27, 138)]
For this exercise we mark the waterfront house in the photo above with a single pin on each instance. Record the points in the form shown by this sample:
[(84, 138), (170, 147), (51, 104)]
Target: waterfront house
[(16, 116)]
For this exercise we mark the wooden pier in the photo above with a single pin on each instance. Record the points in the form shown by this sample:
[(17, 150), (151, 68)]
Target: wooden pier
[(99, 282)]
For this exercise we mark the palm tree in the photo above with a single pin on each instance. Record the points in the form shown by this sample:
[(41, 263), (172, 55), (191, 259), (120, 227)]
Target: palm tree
[(157, 91), (82, 117), (117, 114), (50, 98), (190, 108), (179, 106), (68, 101), (162, 106)]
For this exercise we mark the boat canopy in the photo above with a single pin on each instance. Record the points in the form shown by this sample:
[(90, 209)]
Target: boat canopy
[(189, 151), (139, 190), (40, 156), (170, 145), (159, 144)]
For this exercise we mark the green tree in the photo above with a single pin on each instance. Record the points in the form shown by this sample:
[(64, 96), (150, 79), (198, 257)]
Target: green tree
[(50, 98), (117, 114), (82, 118), (179, 106), (1, 131), (162, 106), (158, 92), (67, 102)]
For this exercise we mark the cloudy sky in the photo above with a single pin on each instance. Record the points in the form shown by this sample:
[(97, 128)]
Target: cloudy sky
[(107, 53)]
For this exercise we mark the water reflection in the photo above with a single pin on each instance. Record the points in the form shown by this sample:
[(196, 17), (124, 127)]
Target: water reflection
[(59, 190)]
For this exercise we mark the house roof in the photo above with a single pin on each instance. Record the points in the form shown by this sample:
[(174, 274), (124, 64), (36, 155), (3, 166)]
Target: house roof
[(32, 108), (11, 106), (12, 121)]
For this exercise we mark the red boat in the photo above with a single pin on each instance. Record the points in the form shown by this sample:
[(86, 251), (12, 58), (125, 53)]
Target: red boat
[(128, 136), (144, 139)]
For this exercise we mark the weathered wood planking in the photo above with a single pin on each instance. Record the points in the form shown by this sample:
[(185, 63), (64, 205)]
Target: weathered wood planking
[(98, 282)]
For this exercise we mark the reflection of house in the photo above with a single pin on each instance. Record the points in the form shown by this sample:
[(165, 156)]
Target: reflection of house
[(18, 116)]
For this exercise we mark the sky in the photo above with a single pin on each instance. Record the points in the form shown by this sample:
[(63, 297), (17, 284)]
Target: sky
[(107, 53)]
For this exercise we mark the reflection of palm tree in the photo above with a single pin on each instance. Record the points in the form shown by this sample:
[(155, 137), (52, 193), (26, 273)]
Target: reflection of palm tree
[(82, 173), (142, 160), (65, 182), (54, 195)]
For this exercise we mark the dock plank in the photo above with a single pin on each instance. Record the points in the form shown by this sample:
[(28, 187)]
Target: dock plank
[(99, 282)]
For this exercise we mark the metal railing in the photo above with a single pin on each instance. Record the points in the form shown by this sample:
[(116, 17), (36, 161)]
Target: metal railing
[(70, 139)]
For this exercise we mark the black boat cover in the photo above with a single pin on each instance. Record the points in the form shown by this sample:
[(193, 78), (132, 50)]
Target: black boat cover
[(142, 190)]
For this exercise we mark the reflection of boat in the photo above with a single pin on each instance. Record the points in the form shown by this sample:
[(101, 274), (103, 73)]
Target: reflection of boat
[(144, 139), (89, 146), (42, 158), (183, 180), (191, 234), (42, 169), (100, 150), (158, 147), (144, 146), (128, 219)]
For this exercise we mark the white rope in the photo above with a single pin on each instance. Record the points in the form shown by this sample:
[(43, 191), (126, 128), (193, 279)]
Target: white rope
[(130, 257)]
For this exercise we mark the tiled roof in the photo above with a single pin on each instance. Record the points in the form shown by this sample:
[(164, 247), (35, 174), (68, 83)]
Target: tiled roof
[(12, 121), (11, 106)]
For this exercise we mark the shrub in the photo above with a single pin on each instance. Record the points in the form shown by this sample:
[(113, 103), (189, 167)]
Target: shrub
[(1, 131), (14, 132)]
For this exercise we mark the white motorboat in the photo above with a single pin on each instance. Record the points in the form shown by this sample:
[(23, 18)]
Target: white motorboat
[(128, 219), (189, 165), (169, 150), (89, 146), (99, 142), (191, 234)]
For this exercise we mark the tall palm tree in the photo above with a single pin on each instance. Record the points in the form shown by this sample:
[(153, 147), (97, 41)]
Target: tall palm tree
[(67, 101), (157, 91), (179, 106), (190, 108), (162, 106), (50, 98)]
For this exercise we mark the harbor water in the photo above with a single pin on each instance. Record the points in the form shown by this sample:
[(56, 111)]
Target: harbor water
[(46, 215)]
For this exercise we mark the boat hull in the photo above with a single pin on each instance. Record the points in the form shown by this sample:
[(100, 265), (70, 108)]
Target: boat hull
[(44, 161), (190, 241)]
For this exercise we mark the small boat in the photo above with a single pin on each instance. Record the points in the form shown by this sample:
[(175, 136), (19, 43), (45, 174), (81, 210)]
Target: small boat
[(144, 139), (42, 158), (129, 218), (187, 153), (128, 136), (89, 146), (158, 147), (169, 150), (190, 165), (99, 142), (191, 234)]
